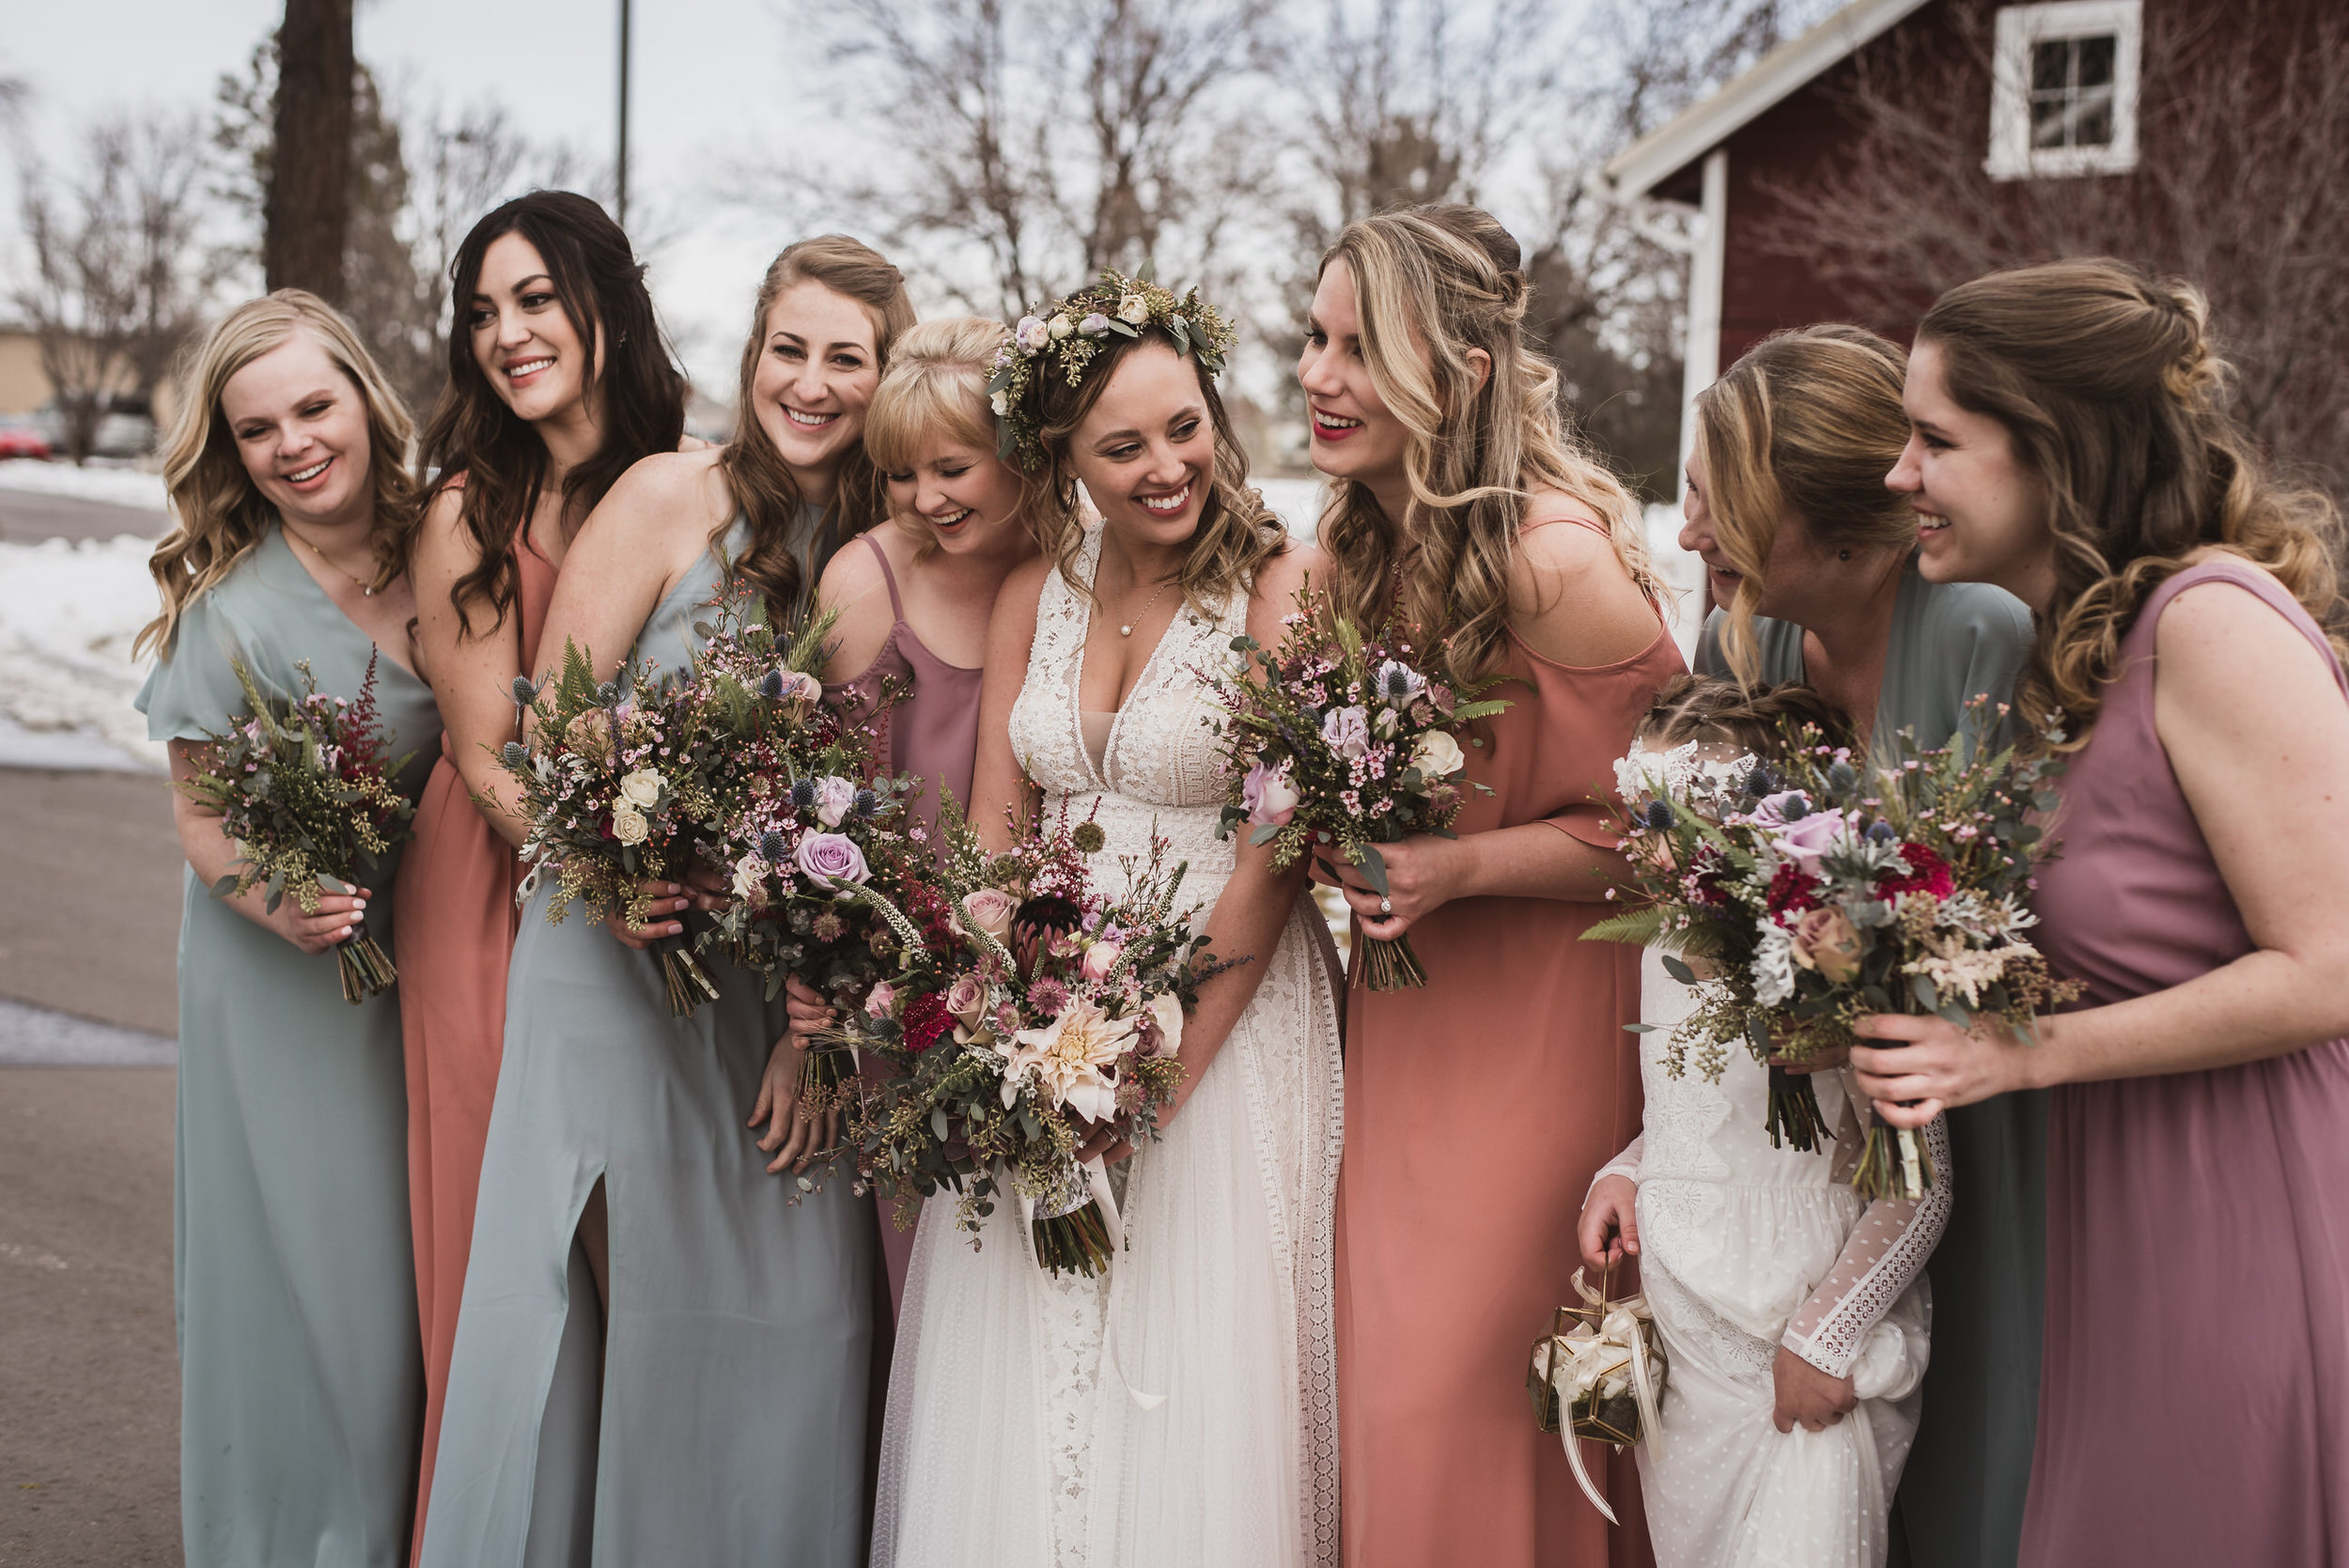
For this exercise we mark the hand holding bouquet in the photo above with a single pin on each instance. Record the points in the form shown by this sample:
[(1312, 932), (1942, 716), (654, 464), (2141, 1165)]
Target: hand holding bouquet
[(303, 789), (1816, 887), (1032, 1008), (1339, 742)]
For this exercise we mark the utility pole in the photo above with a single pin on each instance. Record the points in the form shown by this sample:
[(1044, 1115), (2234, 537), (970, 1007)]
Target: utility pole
[(622, 179)]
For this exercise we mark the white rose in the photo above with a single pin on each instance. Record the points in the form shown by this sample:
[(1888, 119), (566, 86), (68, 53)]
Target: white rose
[(1001, 402), (1166, 1011), (835, 797), (1061, 327), (1133, 310), (749, 871), (1437, 756), (642, 788), (628, 825)]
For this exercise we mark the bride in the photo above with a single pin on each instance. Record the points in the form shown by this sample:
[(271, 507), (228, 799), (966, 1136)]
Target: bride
[(1182, 1408)]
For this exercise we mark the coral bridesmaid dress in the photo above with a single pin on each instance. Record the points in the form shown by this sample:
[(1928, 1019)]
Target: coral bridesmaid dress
[(456, 884), (2195, 1391), (1477, 1110)]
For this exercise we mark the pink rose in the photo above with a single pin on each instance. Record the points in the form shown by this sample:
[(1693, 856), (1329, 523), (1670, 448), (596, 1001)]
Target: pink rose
[(1100, 959), (1267, 795), (835, 797), (831, 859), (1825, 941), (966, 999), (1805, 842), (1347, 731), (883, 998), (990, 909)]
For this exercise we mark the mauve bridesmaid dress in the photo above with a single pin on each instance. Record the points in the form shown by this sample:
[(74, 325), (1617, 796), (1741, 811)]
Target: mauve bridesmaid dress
[(456, 883), (1477, 1110), (2194, 1402)]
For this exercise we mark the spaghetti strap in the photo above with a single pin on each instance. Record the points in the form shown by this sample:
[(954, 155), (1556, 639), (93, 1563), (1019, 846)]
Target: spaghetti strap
[(897, 610), (1599, 528)]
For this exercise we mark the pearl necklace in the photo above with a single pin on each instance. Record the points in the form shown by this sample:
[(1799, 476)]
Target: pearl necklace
[(1127, 630)]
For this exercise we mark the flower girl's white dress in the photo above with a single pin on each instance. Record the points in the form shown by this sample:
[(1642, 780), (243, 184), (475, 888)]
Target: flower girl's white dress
[(1744, 1247), (1012, 1440)]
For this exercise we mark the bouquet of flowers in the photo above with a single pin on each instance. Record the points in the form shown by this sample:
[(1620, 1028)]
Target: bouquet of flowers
[(798, 813), (614, 779), (303, 789), (1339, 740), (1028, 997), (1808, 889)]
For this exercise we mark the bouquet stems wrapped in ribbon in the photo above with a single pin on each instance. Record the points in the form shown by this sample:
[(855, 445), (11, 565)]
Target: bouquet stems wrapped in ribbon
[(1338, 740), (1599, 1374), (1800, 891), (1032, 1004), (303, 791)]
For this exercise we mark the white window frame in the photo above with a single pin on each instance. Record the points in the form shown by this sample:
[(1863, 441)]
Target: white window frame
[(2021, 27)]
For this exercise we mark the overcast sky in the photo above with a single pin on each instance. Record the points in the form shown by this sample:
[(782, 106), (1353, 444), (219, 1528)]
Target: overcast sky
[(711, 83)]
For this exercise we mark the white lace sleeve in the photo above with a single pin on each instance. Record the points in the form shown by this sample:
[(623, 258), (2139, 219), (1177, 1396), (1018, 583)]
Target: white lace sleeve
[(1882, 1255), (1625, 1164)]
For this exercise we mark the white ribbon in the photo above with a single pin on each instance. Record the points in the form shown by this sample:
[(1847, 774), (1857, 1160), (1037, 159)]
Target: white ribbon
[(1593, 1353), (1098, 1178)]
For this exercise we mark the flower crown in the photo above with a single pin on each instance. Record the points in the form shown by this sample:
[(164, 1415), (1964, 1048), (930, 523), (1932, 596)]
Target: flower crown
[(1070, 332)]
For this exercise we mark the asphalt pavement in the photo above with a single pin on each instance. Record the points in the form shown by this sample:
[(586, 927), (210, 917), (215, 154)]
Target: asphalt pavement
[(28, 515)]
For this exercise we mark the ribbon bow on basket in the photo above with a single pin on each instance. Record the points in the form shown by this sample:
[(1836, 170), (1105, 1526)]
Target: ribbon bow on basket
[(1599, 1373)]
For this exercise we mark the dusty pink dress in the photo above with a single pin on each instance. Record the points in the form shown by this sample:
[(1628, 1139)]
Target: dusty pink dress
[(457, 890), (1477, 1110), (2194, 1397), (934, 734)]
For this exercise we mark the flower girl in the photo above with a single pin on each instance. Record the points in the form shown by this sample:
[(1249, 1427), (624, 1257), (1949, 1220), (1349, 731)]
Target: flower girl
[(1793, 1313)]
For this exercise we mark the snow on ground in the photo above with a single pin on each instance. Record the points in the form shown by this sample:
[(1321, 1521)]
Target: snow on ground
[(68, 611), (119, 486)]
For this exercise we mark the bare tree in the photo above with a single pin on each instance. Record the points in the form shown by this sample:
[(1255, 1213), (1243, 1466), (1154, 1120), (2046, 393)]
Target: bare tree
[(113, 288), (2243, 133), (1029, 142), (307, 206)]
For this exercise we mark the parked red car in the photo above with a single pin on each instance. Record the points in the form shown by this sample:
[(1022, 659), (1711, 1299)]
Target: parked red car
[(20, 440)]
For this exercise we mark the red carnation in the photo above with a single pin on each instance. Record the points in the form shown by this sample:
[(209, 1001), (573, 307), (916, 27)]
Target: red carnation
[(923, 1022), (1927, 873), (1792, 891)]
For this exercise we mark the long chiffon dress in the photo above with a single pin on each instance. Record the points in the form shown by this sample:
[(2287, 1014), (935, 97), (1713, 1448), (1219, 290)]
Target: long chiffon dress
[(1015, 1436), (1960, 1503), (301, 1385), (2194, 1408), (933, 733), (722, 1425), (1745, 1249), (456, 883), (1477, 1112)]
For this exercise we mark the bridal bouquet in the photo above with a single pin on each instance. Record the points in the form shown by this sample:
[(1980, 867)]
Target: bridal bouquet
[(1805, 890), (1029, 1000), (1334, 739), (303, 789), (798, 812), (616, 789)]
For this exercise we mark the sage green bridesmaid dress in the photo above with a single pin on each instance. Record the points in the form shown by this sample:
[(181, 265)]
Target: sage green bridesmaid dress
[(1960, 1503), (300, 1380), (726, 1424)]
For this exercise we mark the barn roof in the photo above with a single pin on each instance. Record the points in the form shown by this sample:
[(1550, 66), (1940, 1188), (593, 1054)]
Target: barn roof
[(1675, 147)]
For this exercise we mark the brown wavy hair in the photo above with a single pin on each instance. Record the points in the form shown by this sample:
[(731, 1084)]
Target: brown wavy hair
[(599, 285), (1807, 422), (756, 477), (1756, 717), (2108, 383), (1431, 282), (218, 515), (1237, 533)]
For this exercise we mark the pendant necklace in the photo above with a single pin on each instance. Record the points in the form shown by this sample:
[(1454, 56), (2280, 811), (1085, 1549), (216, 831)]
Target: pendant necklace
[(366, 588), (1127, 630)]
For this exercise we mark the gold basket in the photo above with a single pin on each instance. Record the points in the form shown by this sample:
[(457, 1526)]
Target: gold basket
[(1599, 1374)]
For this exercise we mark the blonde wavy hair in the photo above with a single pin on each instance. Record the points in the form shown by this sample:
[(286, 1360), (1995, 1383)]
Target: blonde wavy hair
[(2108, 383), (1806, 422), (936, 389), (1237, 533), (218, 514), (1431, 282)]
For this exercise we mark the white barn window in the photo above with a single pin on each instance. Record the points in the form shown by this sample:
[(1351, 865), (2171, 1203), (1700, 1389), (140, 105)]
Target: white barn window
[(2063, 89)]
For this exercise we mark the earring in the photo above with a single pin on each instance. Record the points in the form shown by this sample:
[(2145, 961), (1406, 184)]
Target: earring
[(1839, 555)]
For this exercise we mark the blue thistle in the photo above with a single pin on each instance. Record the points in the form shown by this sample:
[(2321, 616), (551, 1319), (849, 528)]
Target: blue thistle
[(1840, 776), (514, 754), (772, 847), (524, 693), (608, 693), (1660, 816), (1795, 808), (1761, 782), (1880, 832), (865, 802), (803, 793), (770, 686)]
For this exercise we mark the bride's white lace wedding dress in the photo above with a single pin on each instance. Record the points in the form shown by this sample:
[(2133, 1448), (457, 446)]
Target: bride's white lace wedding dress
[(1012, 1440)]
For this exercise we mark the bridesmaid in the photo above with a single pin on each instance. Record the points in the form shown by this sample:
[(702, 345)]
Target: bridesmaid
[(557, 385), (301, 1385), (1478, 1110), (914, 601), (2070, 442), (662, 1355), (1814, 563)]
